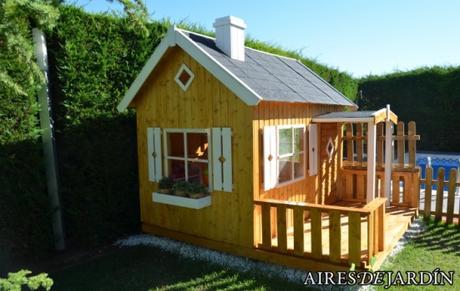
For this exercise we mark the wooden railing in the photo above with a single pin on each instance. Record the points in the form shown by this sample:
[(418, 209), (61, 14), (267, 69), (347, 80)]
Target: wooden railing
[(440, 183), (405, 185), (355, 141), (312, 221)]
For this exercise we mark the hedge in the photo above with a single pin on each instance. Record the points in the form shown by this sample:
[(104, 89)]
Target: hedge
[(429, 96), (93, 59)]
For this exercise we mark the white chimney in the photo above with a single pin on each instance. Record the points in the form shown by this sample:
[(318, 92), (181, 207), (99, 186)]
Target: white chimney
[(230, 36)]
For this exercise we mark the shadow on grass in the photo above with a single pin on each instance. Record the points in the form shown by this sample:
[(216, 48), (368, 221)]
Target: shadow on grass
[(147, 268), (439, 236)]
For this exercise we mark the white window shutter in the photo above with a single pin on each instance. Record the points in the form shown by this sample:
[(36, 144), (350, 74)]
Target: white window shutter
[(222, 159), (154, 153), (313, 149), (227, 159), (216, 145), (270, 157)]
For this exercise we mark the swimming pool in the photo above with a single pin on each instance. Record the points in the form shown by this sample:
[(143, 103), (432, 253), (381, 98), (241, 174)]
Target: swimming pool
[(438, 160)]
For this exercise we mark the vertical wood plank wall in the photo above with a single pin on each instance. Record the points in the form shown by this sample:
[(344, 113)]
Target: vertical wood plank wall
[(207, 103), (308, 189)]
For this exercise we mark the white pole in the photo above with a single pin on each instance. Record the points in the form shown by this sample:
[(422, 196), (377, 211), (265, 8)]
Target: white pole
[(371, 153), (388, 155), (49, 153)]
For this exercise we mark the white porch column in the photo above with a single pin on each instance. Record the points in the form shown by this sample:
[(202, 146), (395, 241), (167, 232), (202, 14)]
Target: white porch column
[(388, 159), (371, 153)]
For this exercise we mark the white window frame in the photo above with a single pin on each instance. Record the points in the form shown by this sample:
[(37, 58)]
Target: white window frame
[(185, 159), (189, 82), (278, 157)]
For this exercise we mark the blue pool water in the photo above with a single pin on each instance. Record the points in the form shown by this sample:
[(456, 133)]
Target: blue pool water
[(447, 162)]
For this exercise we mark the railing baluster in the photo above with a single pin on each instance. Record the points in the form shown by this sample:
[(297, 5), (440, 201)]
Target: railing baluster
[(401, 143), (281, 227), (349, 138), (370, 235), (298, 231), (411, 143), (316, 233), (359, 143), (334, 236), (354, 238), (266, 231)]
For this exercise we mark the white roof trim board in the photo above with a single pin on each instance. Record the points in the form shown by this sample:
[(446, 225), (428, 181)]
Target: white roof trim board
[(202, 55), (352, 116)]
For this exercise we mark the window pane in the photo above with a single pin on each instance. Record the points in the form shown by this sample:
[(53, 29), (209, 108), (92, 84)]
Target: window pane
[(176, 170), (285, 169), (176, 144), (299, 165), (298, 140), (285, 141), (198, 173), (197, 146)]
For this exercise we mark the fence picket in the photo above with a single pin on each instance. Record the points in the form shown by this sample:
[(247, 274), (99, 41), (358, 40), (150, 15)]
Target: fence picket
[(428, 192), (451, 196), (439, 194)]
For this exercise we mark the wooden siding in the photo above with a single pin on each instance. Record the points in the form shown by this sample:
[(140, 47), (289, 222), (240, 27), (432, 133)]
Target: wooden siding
[(269, 113), (207, 103), (329, 166)]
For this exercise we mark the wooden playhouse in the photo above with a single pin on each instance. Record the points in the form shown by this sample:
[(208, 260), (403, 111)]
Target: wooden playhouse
[(294, 174)]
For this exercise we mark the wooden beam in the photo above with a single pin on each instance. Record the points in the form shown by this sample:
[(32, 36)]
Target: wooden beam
[(371, 151), (388, 159)]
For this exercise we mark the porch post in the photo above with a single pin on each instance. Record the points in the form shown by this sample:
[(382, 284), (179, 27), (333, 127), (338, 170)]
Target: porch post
[(371, 152), (388, 159)]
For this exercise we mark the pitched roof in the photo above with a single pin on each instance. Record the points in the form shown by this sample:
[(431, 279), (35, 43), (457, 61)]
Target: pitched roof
[(262, 76)]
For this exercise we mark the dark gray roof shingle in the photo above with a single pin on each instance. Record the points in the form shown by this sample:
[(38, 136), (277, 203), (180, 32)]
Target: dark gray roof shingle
[(275, 78)]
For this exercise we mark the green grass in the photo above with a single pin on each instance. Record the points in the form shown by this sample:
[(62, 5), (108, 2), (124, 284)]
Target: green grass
[(437, 247), (148, 268)]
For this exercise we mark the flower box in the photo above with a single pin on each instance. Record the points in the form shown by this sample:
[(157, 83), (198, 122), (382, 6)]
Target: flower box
[(181, 201)]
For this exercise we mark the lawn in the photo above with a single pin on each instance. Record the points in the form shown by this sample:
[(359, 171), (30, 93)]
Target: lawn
[(437, 247), (148, 268)]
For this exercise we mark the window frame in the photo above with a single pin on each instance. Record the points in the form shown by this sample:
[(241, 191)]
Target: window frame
[(278, 156), (185, 159), (184, 87)]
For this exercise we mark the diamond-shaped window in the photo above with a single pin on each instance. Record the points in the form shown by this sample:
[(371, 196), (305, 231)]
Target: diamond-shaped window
[(184, 77), (330, 148)]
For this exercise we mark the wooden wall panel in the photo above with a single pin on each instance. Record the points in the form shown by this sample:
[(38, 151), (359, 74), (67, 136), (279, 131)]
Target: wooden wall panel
[(308, 189), (207, 103)]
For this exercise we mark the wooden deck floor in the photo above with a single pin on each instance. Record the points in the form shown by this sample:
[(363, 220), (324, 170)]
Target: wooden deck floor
[(397, 220)]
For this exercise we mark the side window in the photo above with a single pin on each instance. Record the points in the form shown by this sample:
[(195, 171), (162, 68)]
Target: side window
[(284, 155)]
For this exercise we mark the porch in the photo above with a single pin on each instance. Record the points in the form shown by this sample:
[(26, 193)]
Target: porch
[(342, 233), (365, 199)]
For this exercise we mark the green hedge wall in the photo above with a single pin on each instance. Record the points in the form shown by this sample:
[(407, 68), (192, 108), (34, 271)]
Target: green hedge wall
[(96, 57), (429, 96), (93, 59)]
